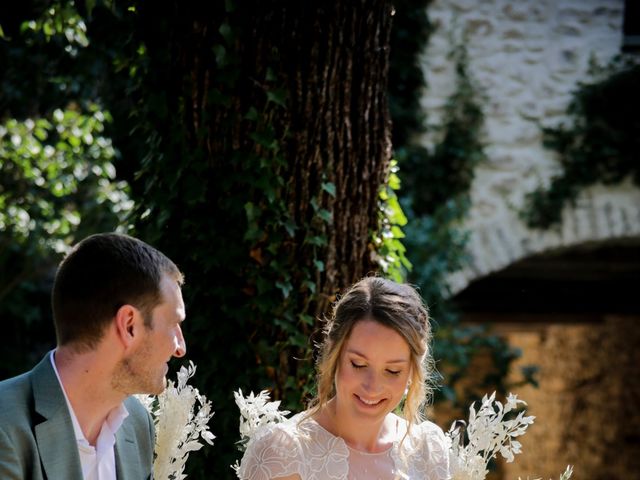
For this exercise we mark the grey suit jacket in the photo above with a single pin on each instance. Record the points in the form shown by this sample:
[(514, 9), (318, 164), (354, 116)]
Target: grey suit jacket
[(37, 441)]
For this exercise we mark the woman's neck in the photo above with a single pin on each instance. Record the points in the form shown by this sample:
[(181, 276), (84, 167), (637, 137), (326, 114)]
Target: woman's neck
[(361, 434)]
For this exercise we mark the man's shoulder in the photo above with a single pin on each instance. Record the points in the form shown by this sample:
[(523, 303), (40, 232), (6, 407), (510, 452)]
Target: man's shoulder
[(15, 398), (135, 408), (138, 416), (15, 384)]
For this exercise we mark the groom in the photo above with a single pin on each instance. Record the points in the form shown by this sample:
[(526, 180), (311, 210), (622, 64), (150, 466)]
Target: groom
[(117, 309)]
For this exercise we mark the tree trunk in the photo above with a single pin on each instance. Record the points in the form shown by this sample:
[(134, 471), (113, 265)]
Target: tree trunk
[(269, 140)]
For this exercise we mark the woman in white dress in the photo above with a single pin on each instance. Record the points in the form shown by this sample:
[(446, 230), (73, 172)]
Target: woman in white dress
[(374, 357)]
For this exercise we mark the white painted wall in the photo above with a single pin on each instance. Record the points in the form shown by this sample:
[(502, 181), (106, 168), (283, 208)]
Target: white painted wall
[(527, 57)]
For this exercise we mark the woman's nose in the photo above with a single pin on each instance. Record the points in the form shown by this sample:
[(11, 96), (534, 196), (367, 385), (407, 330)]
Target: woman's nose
[(372, 382)]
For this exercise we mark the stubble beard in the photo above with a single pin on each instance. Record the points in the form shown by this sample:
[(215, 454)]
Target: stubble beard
[(132, 377)]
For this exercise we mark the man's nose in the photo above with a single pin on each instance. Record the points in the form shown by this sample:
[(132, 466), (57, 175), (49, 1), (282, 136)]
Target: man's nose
[(180, 344)]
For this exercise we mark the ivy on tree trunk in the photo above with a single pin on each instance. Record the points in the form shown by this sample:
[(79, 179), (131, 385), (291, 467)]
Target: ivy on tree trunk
[(266, 143)]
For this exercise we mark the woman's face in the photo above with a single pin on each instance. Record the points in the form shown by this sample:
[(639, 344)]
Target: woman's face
[(372, 372)]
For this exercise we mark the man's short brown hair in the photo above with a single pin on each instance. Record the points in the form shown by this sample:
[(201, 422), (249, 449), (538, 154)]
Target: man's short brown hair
[(100, 274)]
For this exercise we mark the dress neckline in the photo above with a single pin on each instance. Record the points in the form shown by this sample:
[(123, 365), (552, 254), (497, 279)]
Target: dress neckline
[(351, 449)]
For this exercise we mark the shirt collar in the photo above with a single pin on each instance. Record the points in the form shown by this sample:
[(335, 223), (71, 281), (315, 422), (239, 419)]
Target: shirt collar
[(111, 425)]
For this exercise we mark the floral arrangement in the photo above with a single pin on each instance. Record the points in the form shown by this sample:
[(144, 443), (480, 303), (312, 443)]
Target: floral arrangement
[(256, 411), (180, 416), (488, 432)]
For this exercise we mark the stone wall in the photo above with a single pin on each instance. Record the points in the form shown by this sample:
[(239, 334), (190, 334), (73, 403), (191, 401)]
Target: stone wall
[(526, 58), (586, 403), (586, 406)]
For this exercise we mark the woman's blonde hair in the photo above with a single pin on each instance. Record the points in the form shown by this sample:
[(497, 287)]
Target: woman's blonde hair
[(393, 305)]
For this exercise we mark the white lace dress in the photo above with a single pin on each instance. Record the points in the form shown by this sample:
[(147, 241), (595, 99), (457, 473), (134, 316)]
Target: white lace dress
[(307, 449)]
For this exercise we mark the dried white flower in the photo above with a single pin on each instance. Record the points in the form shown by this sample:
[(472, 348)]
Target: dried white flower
[(470, 449), (256, 411), (180, 415), (487, 434), (565, 476)]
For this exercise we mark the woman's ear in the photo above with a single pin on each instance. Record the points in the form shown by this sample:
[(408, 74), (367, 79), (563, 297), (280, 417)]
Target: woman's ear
[(128, 321)]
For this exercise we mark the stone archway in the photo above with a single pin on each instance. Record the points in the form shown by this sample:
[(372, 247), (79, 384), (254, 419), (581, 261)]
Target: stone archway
[(574, 312), (600, 214)]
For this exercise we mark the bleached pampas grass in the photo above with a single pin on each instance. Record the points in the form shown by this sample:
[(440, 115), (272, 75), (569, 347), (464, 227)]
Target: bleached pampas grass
[(180, 416), (256, 411), (489, 432)]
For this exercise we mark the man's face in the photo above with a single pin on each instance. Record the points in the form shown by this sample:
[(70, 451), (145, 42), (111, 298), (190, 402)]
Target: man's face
[(145, 369)]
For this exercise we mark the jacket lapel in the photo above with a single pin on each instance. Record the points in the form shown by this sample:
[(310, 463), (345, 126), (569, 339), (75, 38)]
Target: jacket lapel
[(55, 435), (127, 460)]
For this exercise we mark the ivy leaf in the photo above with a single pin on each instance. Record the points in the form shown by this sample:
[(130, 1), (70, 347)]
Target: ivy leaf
[(266, 139), (285, 288), (325, 215), (220, 53), (298, 340), (226, 32), (290, 226), (304, 318), (330, 188), (319, 265), (252, 114), (317, 240), (277, 96), (271, 76)]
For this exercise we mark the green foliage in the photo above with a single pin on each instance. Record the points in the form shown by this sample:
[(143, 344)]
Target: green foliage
[(215, 199), (57, 176), (60, 20), (390, 249), (435, 194), (52, 168), (409, 37), (446, 172), (48, 64), (204, 155), (598, 144)]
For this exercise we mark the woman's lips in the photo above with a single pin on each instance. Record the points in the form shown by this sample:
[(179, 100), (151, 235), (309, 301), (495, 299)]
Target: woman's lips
[(369, 402)]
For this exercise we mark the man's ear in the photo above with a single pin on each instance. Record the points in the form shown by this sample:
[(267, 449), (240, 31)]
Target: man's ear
[(128, 322)]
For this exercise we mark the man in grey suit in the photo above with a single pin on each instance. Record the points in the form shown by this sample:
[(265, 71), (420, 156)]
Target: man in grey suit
[(117, 308)]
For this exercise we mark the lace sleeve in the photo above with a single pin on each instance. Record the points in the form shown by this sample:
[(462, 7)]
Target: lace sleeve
[(437, 451), (433, 459), (273, 452)]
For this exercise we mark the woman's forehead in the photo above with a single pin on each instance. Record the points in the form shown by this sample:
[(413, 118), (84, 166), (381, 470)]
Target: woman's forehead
[(371, 338)]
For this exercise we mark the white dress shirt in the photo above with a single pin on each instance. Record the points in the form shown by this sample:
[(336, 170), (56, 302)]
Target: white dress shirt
[(99, 462)]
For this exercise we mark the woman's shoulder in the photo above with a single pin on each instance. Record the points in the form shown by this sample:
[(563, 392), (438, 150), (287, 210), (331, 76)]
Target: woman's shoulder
[(416, 431), (426, 448), (429, 429), (283, 435), (286, 448), (273, 451), (427, 435)]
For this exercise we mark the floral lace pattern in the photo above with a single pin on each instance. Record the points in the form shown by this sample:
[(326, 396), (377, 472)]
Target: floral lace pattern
[(313, 453)]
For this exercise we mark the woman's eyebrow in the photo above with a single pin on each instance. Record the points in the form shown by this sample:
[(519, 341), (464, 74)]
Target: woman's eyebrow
[(355, 352)]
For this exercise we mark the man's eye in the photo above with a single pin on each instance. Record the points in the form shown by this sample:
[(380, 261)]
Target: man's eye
[(355, 365)]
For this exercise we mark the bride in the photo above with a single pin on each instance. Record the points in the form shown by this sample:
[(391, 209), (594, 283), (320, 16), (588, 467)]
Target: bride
[(374, 357)]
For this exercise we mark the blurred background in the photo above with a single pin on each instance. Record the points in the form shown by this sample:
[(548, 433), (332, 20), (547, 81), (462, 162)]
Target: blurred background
[(278, 151)]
